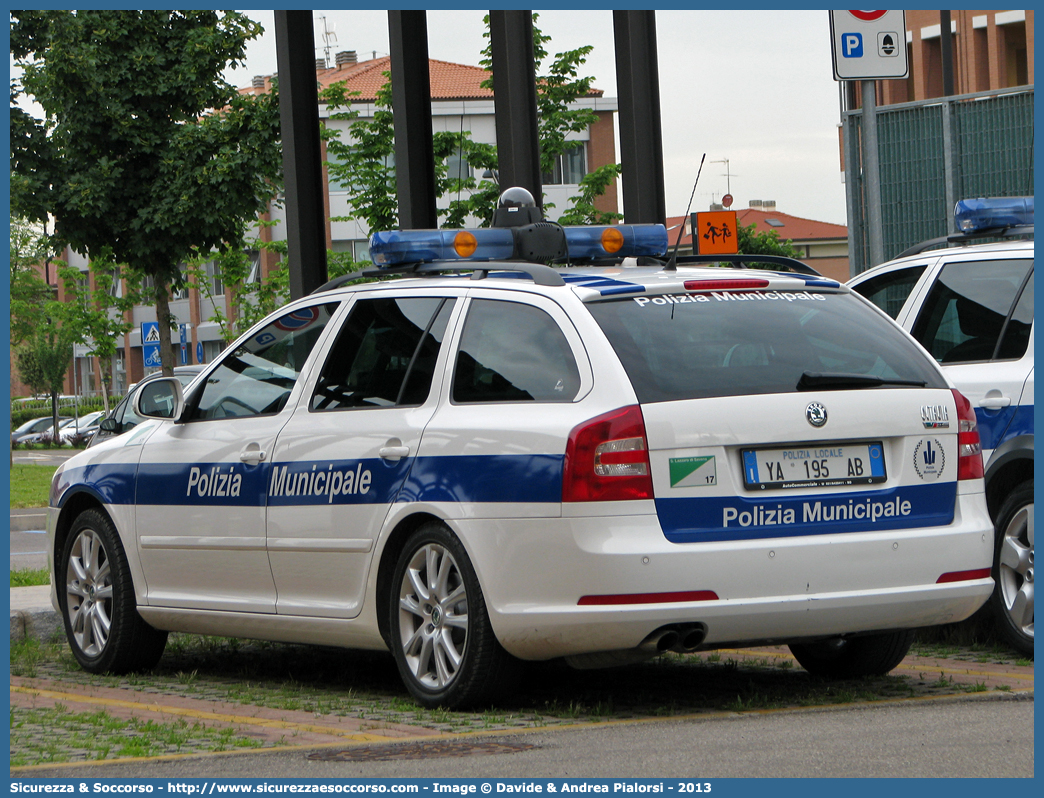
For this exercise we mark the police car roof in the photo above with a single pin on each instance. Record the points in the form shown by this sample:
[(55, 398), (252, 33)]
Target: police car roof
[(970, 247), (594, 283)]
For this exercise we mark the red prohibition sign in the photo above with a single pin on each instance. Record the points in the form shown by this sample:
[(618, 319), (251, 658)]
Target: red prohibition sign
[(868, 16)]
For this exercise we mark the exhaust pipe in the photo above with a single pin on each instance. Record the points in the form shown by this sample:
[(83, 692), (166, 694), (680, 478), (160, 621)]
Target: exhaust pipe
[(661, 640), (690, 637)]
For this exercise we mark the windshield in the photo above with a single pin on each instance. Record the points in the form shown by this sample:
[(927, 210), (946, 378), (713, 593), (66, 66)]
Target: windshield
[(756, 342)]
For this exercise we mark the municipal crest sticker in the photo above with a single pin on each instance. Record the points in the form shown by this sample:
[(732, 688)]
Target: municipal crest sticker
[(929, 459)]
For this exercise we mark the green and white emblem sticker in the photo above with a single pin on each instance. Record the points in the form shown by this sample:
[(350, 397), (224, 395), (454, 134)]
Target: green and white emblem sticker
[(693, 472)]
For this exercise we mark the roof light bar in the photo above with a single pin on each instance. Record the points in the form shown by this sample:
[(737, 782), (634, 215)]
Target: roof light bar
[(397, 247), (973, 215)]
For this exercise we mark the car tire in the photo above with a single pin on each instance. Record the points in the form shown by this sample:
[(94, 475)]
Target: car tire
[(854, 657), (1011, 605), (441, 637), (96, 596)]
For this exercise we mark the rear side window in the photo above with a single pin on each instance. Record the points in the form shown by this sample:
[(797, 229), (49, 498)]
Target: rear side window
[(758, 342), (511, 352), (384, 355), (968, 309), (890, 291)]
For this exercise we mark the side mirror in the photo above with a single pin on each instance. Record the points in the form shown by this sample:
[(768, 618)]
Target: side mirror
[(161, 398), (108, 425)]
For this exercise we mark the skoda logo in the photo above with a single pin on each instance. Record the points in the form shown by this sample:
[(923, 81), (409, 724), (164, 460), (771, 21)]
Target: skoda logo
[(436, 616), (816, 414)]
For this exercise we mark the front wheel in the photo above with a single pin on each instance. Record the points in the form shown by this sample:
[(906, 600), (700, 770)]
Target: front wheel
[(441, 637), (854, 657), (1011, 604), (96, 594)]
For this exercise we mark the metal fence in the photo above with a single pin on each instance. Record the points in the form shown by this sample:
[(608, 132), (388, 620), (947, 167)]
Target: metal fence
[(932, 153)]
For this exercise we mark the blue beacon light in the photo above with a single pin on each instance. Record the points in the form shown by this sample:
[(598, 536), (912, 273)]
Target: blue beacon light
[(975, 215)]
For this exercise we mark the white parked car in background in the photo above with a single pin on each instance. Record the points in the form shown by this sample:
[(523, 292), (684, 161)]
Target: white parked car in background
[(970, 305)]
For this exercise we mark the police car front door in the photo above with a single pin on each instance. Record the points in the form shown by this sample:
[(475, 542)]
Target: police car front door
[(202, 482), (342, 458), (977, 321)]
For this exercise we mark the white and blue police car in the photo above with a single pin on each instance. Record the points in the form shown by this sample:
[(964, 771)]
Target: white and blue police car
[(970, 304), (492, 460)]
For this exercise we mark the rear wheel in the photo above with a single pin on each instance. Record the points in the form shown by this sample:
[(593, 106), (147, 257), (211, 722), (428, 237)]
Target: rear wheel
[(441, 637), (1011, 604), (96, 595), (854, 657)]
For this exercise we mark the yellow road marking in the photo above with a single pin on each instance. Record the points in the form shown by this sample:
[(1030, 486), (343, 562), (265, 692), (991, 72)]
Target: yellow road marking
[(245, 720)]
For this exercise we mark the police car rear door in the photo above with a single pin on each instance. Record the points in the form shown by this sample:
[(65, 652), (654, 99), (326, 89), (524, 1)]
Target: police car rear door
[(201, 483), (343, 456)]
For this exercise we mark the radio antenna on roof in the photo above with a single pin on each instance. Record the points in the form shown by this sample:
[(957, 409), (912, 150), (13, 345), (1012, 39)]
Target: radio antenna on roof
[(672, 264)]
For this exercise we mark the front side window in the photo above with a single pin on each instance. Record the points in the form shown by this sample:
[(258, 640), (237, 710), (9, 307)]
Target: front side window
[(890, 291), (256, 378), (385, 354), (966, 310), (511, 352)]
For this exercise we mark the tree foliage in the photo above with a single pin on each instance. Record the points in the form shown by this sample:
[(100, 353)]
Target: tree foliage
[(30, 248), (44, 358), (95, 312), (751, 242), (144, 152)]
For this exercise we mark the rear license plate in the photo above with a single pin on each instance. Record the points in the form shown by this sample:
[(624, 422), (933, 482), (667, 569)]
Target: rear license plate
[(819, 465)]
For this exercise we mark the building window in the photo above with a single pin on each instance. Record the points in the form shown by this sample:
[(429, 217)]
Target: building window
[(254, 276), (570, 167), (214, 283), (457, 166)]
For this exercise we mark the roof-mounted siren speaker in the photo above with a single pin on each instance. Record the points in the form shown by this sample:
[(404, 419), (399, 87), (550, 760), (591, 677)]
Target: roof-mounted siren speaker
[(516, 208), (535, 240)]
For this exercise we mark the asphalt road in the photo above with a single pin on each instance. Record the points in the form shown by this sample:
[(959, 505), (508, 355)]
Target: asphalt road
[(968, 737)]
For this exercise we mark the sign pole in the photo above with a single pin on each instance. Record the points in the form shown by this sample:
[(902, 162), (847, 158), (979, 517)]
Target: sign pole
[(872, 174)]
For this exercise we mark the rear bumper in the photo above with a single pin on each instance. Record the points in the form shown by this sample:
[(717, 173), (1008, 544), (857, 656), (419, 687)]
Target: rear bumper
[(535, 574)]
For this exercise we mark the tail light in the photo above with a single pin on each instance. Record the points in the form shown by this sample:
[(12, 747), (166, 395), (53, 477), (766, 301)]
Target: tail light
[(969, 446), (607, 459)]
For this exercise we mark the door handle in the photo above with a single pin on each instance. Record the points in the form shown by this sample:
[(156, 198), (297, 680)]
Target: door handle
[(252, 455), (994, 400), (393, 452)]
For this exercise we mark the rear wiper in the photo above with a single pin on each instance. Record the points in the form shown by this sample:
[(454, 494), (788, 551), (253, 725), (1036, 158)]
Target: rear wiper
[(811, 380)]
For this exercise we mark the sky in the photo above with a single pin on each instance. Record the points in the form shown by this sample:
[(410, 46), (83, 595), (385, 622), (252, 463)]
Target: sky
[(753, 87)]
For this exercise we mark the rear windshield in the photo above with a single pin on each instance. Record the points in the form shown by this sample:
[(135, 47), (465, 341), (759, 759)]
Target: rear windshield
[(755, 342)]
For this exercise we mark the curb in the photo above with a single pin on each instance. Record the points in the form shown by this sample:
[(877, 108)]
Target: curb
[(32, 616), (38, 624)]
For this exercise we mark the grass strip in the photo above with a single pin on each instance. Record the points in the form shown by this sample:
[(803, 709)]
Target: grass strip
[(28, 577), (30, 484)]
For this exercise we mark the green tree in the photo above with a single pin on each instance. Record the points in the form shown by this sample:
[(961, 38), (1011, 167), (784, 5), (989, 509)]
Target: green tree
[(96, 309), (144, 151), (30, 247), (44, 358), (751, 242)]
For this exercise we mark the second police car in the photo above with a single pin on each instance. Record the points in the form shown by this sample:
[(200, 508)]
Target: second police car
[(970, 304), (599, 463)]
